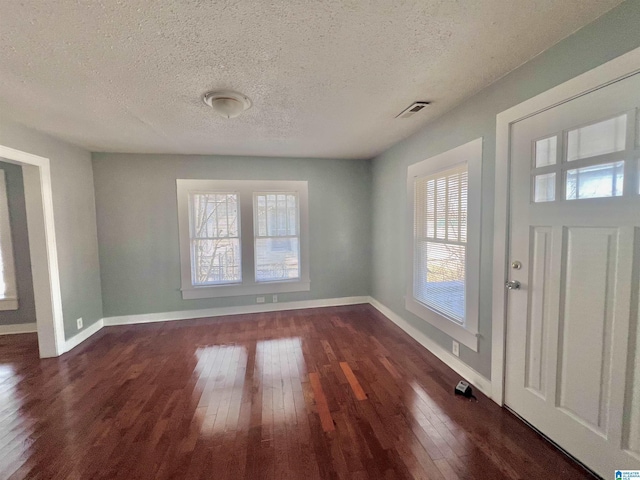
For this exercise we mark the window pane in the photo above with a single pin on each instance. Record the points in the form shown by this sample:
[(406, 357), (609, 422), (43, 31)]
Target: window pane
[(277, 259), (440, 233), (546, 150), (282, 214), (261, 214), (431, 208), (545, 188), (292, 209), (464, 192), (276, 214), (215, 215), (277, 245), (441, 189), (596, 181), (453, 207), (597, 139), (440, 278), (441, 205), (216, 261)]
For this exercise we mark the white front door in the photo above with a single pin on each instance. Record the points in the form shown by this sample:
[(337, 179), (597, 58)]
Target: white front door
[(573, 342)]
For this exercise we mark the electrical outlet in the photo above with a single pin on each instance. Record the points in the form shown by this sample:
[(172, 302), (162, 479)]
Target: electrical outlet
[(275, 299), (259, 299), (79, 323), (455, 348)]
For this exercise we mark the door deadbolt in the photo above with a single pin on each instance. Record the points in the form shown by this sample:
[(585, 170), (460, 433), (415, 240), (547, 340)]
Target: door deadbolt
[(516, 265)]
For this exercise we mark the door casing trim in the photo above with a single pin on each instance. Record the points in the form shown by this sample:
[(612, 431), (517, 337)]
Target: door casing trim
[(42, 248), (599, 77)]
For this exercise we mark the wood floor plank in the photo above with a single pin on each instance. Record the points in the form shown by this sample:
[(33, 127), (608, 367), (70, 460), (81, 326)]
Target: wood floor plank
[(353, 381), (321, 403), (323, 393)]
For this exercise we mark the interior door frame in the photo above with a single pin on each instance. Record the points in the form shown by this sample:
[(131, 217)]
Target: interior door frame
[(601, 76), (42, 248)]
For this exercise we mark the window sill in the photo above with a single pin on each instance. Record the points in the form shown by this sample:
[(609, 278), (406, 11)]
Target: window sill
[(213, 291), (8, 304), (455, 331)]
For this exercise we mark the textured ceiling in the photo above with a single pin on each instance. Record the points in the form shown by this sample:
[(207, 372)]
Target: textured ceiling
[(326, 77)]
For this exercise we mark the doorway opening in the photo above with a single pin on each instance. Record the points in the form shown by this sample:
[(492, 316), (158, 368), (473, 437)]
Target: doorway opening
[(42, 248)]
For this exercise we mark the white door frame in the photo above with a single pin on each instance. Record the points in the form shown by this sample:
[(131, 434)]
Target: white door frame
[(43, 250), (607, 73)]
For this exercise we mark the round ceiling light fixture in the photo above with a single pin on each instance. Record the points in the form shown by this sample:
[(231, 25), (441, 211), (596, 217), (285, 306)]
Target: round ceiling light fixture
[(227, 103)]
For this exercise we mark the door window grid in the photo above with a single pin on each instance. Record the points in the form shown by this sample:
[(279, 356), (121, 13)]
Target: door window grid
[(620, 169)]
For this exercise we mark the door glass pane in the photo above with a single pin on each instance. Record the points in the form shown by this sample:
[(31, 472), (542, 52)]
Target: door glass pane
[(546, 151), (597, 139), (545, 188), (596, 181)]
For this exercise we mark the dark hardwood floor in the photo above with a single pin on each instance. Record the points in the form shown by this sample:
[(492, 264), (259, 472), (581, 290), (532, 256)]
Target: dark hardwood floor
[(321, 393)]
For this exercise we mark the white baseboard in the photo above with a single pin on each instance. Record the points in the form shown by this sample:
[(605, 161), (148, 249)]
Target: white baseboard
[(18, 328), (83, 335), (465, 371), (221, 311)]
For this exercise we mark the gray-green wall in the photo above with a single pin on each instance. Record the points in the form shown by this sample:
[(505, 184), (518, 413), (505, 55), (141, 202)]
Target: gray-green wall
[(608, 37), (75, 220), (138, 226), (357, 208), (26, 312)]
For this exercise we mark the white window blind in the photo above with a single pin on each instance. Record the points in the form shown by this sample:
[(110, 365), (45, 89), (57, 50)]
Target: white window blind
[(440, 241), (277, 236), (215, 238)]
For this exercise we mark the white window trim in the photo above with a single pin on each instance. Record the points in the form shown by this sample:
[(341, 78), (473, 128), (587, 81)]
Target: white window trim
[(8, 300), (471, 154), (245, 190)]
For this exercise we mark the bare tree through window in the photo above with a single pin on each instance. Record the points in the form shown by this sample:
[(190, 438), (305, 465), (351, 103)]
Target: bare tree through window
[(215, 238)]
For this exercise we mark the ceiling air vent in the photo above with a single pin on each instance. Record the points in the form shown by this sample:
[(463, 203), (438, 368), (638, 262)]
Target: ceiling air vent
[(412, 109)]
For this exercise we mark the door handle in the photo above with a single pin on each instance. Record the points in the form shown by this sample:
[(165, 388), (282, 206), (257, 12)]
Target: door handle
[(513, 285)]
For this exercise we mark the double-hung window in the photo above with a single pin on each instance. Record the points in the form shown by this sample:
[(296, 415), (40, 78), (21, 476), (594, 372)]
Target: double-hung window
[(242, 237), (443, 241), (215, 238), (277, 236)]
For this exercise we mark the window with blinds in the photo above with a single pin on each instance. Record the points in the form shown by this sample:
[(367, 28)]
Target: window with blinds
[(440, 241), (277, 236), (215, 238)]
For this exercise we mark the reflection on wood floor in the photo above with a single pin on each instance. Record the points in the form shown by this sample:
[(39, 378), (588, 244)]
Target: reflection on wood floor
[(320, 393)]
